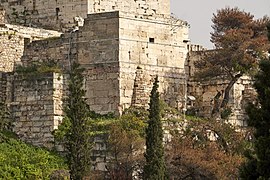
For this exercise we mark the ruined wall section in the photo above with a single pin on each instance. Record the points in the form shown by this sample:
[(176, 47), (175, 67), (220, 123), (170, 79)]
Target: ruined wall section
[(46, 13), (205, 91), (143, 84), (98, 52), (51, 49), (243, 94), (142, 8), (158, 48), (60, 14), (37, 107), (14, 38)]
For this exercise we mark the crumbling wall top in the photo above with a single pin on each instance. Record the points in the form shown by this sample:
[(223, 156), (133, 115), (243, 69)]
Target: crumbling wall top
[(62, 15)]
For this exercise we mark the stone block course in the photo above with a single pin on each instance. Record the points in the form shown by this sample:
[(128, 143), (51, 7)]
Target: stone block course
[(121, 51), (36, 113)]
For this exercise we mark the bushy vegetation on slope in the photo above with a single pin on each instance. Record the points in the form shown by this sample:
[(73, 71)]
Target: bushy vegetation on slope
[(19, 160)]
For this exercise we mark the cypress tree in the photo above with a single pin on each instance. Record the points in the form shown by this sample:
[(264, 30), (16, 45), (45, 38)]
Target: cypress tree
[(154, 168), (78, 139), (258, 164)]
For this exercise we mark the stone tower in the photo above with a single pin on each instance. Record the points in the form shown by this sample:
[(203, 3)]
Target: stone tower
[(117, 39), (122, 45)]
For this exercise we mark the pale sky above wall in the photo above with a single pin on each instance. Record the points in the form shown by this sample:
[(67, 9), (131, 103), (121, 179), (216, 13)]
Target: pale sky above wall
[(199, 13)]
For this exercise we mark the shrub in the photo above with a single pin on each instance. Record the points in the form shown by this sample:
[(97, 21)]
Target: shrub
[(22, 161)]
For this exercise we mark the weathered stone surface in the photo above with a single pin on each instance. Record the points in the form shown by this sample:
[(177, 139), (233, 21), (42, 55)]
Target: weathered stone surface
[(39, 113), (63, 14), (13, 40)]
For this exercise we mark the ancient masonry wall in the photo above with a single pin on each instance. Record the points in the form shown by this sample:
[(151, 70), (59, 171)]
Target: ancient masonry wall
[(114, 45), (139, 7), (11, 49), (50, 49), (14, 38), (143, 83), (95, 47), (46, 13), (2, 16), (205, 91), (98, 52), (36, 107), (60, 14), (158, 48), (111, 46), (243, 93)]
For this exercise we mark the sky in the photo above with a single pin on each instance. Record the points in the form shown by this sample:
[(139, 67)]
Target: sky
[(198, 13)]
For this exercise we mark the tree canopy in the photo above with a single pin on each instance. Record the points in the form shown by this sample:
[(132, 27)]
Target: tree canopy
[(258, 164), (240, 42)]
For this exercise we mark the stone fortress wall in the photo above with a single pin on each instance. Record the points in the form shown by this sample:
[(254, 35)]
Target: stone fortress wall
[(34, 104), (121, 52), (14, 38), (36, 107), (60, 14), (111, 47), (122, 45), (125, 45)]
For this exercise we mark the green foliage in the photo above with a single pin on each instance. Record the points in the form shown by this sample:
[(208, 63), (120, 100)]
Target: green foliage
[(239, 40), (165, 109), (36, 70), (125, 138), (78, 140), (19, 160), (5, 121), (154, 168), (225, 113), (62, 131), (98, 123), (125, 144), (94, 115), (134, 119), (258, 163)]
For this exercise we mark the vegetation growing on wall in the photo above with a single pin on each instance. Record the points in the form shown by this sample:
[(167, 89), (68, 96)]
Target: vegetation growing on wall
[(5, 121), (37, 70)]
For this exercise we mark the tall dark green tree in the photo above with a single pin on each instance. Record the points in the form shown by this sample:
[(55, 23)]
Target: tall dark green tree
[(78, 142), (154, 168), (258, 163)]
